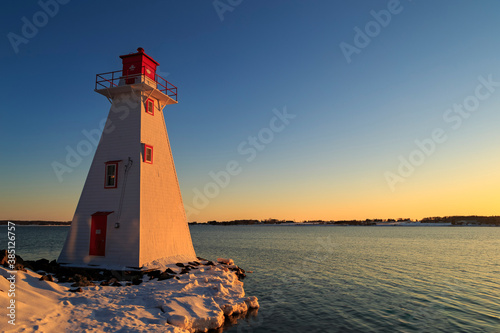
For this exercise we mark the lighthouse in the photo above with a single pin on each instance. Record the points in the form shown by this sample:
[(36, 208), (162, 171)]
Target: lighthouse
[(130, 211)]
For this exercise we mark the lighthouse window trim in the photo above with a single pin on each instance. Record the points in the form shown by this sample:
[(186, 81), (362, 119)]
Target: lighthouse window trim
[(150, 106), (111, 174), (148, 154)]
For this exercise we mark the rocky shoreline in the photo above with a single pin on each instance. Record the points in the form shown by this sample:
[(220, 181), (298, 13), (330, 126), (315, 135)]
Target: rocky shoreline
[(84, 277), (196, 296)]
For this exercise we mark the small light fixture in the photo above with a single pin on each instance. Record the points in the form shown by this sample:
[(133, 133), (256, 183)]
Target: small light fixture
[(117, 225)]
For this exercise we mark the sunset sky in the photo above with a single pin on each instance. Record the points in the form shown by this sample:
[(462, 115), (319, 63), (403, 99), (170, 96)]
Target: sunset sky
[(331, 109)]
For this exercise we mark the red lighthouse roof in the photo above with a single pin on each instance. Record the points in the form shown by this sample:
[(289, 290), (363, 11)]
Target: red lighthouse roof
[(140, 53), (140, 62)]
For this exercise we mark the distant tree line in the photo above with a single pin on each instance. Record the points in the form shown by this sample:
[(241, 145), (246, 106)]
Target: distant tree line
[(5, 222), (464, 220), (454, 220), (276, 221), (245, 222)]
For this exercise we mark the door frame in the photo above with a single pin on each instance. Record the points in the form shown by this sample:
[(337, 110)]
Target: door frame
[(98, 228)]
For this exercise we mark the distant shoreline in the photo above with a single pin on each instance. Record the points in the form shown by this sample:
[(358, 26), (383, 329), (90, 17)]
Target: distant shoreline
[(425, 222), (354, 225), (471, 220), (36, 223)]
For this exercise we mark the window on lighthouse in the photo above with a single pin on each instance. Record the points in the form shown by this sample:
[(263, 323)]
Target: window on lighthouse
[(148, 154), (150, 106), (110, 180)]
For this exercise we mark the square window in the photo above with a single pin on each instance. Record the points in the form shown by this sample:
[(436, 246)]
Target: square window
[(148, 154), (110, 178), (150, 106)]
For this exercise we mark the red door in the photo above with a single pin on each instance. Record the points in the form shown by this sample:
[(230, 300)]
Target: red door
[(98, 235)]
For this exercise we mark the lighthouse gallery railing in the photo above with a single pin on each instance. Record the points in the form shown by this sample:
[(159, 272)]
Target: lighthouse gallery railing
[(115, 79)]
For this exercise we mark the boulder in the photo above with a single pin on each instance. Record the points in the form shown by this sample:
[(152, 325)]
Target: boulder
[(225, 261), (82, 281), (4, 261), (62, 279), (170, 271), (185, 270), (3, 257), (49, 278), (165, 276), (154, 274)]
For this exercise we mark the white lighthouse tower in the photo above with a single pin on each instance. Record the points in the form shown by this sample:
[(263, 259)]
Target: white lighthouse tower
[(130, 211)]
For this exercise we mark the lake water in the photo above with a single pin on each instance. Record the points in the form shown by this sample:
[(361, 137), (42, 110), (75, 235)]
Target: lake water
[(346, 279)]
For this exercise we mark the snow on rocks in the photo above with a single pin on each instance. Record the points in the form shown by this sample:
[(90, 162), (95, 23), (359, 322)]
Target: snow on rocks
[(252, 302), (193, 313), (225, 261), (195, 297)]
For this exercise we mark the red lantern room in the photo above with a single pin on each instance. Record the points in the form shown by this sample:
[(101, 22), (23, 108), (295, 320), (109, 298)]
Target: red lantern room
[(138, 72), (139, 63)]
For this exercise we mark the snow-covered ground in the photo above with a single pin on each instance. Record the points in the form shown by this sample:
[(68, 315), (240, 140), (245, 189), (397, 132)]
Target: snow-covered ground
[(195, 301)]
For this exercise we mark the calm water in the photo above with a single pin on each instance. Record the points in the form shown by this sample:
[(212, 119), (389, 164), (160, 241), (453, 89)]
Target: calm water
[(347, 279)]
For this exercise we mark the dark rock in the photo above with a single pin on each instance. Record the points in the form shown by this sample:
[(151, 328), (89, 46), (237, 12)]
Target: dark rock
[(49, 278), (130, 275), (77, 290), (184, 270), (19, 267), (165, 276), (104, 283), (81, 277), (39, 265), (180, 264), (170, 271), (113, 282), (4, 261), (200, 258), (81, 281), (194, 263), (3, 257), (154, 274), (136, 281), (62, 279), (240, 274), (42, 264)]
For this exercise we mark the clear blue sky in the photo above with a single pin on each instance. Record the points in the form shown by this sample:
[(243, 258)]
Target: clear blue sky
[(352, 119)]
